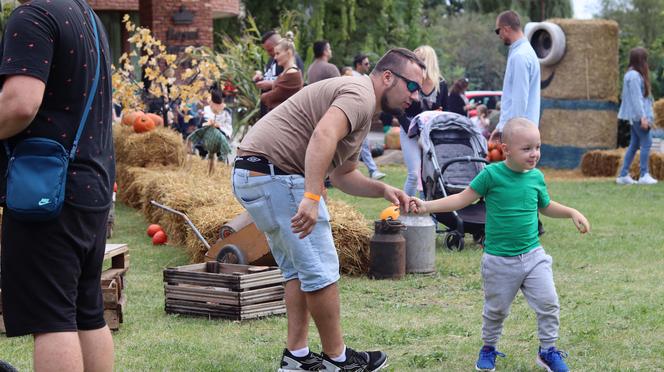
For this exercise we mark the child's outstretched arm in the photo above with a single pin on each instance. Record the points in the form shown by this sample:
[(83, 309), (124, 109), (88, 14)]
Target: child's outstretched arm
[(557, 210), (448, 204)]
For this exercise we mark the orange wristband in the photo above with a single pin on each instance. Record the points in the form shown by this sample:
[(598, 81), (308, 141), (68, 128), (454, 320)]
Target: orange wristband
[(311, 196)]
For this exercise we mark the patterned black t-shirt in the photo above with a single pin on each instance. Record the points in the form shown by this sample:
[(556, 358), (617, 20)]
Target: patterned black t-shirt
[(53, 41)]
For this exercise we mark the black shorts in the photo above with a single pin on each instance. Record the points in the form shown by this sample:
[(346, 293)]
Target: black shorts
[(51, 273)]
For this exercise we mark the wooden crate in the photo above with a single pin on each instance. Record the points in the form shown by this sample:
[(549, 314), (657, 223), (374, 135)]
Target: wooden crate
[(214, 289), (113, 284)]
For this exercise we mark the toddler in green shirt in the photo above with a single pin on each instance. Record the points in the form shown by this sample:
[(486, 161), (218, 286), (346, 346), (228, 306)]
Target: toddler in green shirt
[(514, 191)]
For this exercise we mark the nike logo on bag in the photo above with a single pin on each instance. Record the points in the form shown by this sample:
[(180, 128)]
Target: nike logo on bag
[(44, 201)]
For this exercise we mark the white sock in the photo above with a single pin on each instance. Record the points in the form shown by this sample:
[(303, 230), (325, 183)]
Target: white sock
[(300, 352), (341, 358)]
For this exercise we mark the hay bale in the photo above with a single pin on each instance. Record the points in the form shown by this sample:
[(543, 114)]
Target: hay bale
[(579, 128), (589, 68), (607, 163), (351, 234), (655, 165), (135, 185), (208, 220), (602, 163), (188, 189), (158, 147), (658, 108)]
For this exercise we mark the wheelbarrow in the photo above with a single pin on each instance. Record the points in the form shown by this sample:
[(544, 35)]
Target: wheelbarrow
[(239, 242)]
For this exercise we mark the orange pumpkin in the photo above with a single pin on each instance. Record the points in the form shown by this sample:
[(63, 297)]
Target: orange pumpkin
[(129, 117), (159, 238), (143, 124), (153, 229), (158, 120), (495, 155), (390, 213)]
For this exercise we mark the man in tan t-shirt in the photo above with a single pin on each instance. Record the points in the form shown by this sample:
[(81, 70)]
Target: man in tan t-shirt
[(278, 177), (321, 68)]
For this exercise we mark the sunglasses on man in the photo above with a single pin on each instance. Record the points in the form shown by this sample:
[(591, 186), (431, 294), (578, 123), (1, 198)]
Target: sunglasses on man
[(412, 86)]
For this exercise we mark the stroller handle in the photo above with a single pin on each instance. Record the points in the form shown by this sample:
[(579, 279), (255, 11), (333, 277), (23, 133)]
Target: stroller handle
[(460, 159)]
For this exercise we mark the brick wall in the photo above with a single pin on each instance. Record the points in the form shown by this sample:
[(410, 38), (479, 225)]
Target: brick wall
[(158, 16), (114, 4)]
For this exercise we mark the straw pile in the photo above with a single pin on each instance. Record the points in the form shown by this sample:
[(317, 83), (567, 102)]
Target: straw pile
[(655, 165), (579, 128), (589, 68), (658, 108), (602, 163), (208, 200), (351, 234), (207, 220), (607, 163), (161, 146)]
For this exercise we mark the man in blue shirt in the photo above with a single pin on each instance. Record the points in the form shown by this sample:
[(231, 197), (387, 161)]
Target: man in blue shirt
[(521, 85)]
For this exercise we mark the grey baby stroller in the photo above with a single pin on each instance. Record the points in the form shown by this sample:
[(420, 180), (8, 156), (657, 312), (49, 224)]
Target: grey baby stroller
[(453, 153)]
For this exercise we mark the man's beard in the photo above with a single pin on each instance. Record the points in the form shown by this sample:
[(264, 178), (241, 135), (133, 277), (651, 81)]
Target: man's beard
[(384, 104)]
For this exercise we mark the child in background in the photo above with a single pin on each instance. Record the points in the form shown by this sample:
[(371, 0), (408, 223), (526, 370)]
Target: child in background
[(216, 132), (513, 259), (346, 71), (481, 120)]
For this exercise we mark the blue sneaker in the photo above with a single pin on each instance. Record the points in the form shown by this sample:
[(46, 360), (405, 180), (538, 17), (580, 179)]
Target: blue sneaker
[(552, 360), (487, 359)]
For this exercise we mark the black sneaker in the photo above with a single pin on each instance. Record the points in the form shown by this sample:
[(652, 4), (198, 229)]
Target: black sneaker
[(310, 362), (360, 361)]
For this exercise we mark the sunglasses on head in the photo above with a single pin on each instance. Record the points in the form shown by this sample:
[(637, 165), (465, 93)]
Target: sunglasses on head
[(412, 86)]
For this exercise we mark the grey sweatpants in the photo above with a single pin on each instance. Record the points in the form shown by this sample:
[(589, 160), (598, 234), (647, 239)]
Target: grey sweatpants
[(503, 277)]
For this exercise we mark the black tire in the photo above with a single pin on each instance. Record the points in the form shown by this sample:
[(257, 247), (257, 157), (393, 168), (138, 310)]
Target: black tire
[(454, 241), (231, 254)]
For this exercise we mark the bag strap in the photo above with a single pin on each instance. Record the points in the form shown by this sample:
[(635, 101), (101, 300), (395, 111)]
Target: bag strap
[(91, 95), (93, 89)]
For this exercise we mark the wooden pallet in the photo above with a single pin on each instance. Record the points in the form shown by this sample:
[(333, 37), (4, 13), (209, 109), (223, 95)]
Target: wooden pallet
[(113, 284), (229, 291)]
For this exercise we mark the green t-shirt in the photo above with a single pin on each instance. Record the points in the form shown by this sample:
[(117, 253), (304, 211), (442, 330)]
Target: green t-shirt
[(512, 200)]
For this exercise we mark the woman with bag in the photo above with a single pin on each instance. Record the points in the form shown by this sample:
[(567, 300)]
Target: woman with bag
[(636, 108)]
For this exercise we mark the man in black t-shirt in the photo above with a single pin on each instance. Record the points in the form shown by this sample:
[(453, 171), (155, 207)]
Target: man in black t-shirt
[(51, 270)]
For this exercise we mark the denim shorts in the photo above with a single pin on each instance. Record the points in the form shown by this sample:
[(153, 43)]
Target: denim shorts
[(272, 200)]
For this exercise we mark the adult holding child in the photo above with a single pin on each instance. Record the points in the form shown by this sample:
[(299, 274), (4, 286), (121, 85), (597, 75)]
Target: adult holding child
[(636, 108), (278, 177), (513, 259), (434, 97), (290, 80)]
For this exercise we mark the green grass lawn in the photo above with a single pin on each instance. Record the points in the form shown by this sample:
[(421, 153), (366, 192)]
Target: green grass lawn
[(609, 283)]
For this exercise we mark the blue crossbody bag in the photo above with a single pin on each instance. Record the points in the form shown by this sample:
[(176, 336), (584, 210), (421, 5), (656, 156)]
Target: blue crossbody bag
[(37, 168)]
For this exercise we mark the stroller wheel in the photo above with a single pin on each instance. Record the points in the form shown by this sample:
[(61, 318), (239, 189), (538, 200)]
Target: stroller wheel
[(454, 241)]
